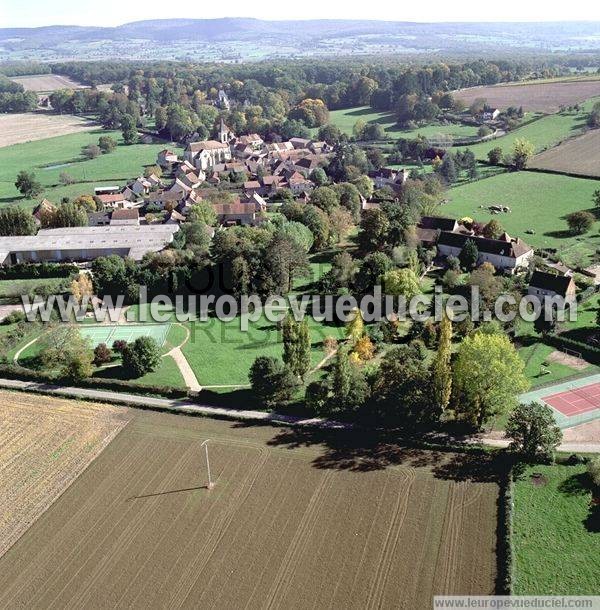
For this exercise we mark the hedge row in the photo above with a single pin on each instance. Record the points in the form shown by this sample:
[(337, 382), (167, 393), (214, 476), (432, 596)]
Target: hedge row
[(505, 553), (13, 371), (588, 352), (37, 270)]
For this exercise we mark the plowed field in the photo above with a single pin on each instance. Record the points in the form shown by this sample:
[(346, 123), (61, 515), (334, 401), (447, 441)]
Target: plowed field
[(294, 520), (536, 97)]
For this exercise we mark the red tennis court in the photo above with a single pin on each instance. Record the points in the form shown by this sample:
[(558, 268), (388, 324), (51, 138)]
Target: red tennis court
[(576, 400)]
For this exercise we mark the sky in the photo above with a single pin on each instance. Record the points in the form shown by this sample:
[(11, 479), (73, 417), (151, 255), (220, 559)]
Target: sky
[(34, 13)]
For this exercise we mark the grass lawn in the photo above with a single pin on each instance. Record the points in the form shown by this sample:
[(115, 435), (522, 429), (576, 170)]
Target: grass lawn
[(556, 547), (536, 354), (538, 201), (48, 158), (167, 374), (221, 353), (345, 120)]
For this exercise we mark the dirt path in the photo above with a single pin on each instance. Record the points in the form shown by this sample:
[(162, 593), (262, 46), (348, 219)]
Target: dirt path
[(187, 372), (22, 349)]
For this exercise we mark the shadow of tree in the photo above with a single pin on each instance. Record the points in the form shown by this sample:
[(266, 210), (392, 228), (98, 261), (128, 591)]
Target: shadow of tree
[(362, 450), (575, 485), (592, 521)]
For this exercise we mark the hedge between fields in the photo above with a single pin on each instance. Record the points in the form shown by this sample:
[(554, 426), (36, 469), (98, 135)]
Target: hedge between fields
[(505, 551)]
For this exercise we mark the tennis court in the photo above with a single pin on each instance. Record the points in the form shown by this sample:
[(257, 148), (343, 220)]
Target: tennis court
[(573, 402), (103, 333)]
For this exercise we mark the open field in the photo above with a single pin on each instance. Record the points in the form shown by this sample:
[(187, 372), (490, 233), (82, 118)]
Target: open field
[(45, 445), (345, 120), (543, 133), (534, 96), (580, 155), (555, 549), (48, 158), (296, 519), (32, 126), (538, 201), (46, 83)]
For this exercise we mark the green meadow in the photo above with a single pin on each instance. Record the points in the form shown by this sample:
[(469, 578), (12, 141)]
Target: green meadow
[(345, 120), (556, 551), (539, 202), (48, 158), (543, 132)]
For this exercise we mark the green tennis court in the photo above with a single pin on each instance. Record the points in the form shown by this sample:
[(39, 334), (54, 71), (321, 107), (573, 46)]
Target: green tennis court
[(104, 333)]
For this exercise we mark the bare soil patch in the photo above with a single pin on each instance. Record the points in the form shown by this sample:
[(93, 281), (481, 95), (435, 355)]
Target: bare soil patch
[(46, 83), (31, 126), (580, 155), (535, 97), (291, 522), (568, 360), (584, 433), (45, 444), (538, 479)]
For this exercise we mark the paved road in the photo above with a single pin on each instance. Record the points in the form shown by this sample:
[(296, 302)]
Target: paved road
[(188, 406)]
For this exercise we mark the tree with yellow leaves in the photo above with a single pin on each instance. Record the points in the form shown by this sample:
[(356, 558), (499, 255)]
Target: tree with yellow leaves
[(82, 287), (355, 326)]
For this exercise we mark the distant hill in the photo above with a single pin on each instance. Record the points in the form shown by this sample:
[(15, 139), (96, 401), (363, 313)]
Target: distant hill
[(246, 38)]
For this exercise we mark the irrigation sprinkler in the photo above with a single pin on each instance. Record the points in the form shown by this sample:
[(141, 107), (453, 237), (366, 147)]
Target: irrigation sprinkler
[(205, 445)]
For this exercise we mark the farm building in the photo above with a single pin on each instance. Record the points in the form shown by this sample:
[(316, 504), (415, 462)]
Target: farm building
[(86, 243)]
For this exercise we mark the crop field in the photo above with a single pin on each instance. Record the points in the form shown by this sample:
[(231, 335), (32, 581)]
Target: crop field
[(46, 83), (48, 158), (32, 126), (579, 155), (538, 202), (542, 97), (45, 444), (295, 519), (554, 548)]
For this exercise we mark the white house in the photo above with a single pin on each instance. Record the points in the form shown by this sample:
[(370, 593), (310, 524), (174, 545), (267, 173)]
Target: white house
[(125, 217), (506, 254)]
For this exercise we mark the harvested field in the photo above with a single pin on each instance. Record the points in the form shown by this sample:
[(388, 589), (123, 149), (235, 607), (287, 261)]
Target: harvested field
[(31, 126), (46, 83), (296, 519), (45, 443), (580, 155), (540, 97)]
